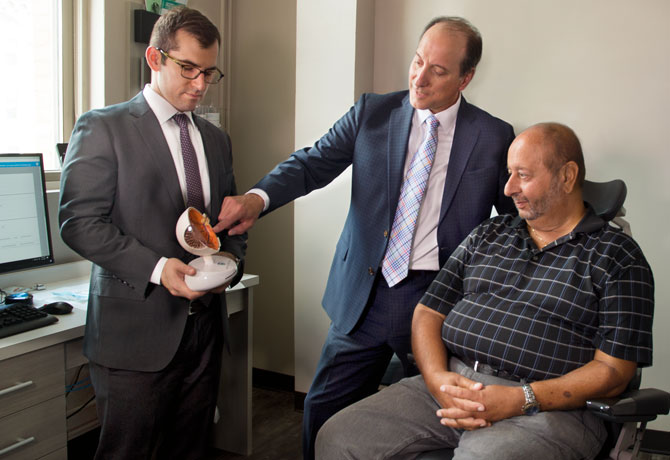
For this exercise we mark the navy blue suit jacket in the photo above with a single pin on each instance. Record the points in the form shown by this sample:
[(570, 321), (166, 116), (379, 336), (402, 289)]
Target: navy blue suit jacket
[(373, 137)]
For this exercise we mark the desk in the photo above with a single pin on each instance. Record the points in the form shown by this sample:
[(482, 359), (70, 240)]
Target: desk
[(49, 357)]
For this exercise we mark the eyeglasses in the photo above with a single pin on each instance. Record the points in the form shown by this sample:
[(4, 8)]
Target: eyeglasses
[(191, 72)]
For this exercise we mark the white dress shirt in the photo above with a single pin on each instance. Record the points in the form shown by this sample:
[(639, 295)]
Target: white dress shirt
[(164, 111), (425, 254)]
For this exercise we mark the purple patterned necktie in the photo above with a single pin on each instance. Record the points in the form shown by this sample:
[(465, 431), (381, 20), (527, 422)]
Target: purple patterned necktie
[(396, 262), (193, 183)]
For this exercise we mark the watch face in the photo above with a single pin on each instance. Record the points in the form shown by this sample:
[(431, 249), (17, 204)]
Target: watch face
[(531, 409)]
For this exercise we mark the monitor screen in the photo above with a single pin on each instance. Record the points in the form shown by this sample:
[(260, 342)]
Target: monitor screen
[(25, 240)]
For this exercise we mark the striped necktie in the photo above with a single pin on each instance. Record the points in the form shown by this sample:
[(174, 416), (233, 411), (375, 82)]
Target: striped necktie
[(396, 261)]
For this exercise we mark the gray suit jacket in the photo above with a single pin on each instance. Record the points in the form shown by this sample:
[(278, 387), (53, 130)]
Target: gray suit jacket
[(120, 200), (372, 137)]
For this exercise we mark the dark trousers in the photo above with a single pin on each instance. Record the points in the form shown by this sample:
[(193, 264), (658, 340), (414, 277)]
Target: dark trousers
[(352, 365), (166, 414)]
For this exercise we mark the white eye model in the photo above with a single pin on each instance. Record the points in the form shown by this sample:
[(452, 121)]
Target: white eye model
[(196, 235)]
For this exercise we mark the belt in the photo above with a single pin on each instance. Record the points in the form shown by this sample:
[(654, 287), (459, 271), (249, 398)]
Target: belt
[(196, 307), (482, 368)]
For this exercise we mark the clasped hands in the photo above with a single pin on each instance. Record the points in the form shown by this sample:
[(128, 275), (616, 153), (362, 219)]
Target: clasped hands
[(469, 405)]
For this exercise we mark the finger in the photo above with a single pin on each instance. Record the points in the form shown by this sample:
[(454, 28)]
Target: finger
[(227, 217), (464, 382), (461, 392), (469, 405), (219, 227), (187, 270), (240, 228), (468, 423), (453, 413)]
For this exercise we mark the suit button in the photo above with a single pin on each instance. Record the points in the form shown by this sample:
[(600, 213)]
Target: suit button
[(386, 233), (371, 271)]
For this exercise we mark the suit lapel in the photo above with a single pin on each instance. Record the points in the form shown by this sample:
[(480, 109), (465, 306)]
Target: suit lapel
[(150, 132), (465, 138), (400, 124)]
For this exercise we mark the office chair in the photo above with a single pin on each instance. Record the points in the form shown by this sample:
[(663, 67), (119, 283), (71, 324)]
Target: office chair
[(635, 406)]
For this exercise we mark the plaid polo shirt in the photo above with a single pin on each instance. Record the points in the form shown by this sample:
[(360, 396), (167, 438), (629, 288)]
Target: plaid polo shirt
[(541, 313)]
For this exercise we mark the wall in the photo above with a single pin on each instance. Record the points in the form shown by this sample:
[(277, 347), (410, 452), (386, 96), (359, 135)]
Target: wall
[(330, 75), (603, 68), (262, 119), (112, 72)]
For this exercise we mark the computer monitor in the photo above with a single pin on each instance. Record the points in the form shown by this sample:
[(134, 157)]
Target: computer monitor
[(25, 239)]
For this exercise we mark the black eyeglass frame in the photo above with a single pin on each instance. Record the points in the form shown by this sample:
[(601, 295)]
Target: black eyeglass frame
[(183, 66)]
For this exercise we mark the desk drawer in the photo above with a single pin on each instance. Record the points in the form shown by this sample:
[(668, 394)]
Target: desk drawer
[(31, 378), (41, 427)]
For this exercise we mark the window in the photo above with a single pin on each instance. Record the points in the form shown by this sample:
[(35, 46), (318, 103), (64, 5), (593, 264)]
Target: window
[(32, 114)]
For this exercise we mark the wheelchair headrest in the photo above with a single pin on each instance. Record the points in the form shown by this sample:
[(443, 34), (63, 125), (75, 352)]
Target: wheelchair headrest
[(606, 198)]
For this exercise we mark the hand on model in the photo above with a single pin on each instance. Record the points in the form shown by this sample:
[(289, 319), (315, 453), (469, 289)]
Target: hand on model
[(239, 213), (172, 277)]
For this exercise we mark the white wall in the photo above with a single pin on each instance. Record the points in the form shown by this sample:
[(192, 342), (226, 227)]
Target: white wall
[(262, 121), (113, 58), (603, 68), (329, 78)]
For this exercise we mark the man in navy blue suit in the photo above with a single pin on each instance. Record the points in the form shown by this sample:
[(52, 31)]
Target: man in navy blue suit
[(379, 137)]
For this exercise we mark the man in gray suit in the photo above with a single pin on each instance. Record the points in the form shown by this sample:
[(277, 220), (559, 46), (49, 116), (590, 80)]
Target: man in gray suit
[(130, 171), (371, 291)]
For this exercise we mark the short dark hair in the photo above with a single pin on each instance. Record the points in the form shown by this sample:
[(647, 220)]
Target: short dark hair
[(565, 147), (186, 19), (473, 52)]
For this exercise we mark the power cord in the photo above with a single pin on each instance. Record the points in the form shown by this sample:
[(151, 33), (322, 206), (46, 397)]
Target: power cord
[(80, 408), (78, 385)]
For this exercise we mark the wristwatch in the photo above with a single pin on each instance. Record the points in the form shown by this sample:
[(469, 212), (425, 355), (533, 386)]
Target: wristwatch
[(531, 407)]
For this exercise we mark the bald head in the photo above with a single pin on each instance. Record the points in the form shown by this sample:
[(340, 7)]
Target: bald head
[(546, 170), (473, 39), (561, 146)]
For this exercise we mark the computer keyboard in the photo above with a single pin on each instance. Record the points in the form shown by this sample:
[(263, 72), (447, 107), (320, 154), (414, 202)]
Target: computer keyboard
[(17, 317)]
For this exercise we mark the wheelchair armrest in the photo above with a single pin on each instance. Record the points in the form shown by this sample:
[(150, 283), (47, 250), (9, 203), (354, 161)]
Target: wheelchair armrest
[(632, 406)]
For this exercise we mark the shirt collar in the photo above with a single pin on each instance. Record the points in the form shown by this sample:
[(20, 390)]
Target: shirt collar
[(163, 110), (447, 117), (591, 222)]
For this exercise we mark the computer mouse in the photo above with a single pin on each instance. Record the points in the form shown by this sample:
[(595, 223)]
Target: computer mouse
[(57, 308)]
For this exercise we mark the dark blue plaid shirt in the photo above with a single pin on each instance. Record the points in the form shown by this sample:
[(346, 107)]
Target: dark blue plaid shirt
[(541, 313)]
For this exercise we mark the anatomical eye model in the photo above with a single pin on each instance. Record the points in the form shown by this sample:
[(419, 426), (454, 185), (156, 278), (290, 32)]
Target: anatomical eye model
[(199, 233), (196, 235)]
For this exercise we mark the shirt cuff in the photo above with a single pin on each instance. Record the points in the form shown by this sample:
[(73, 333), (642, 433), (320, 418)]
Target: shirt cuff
[(262, 194), (158, 270)]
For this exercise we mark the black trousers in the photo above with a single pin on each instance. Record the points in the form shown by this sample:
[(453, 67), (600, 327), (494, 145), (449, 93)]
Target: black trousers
[(166, 414)]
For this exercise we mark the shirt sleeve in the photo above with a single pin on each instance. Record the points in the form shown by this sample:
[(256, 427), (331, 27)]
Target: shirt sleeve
[(626, 306), (262, 194)]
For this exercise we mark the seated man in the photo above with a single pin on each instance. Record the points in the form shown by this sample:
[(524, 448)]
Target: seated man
[(531, 316)]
